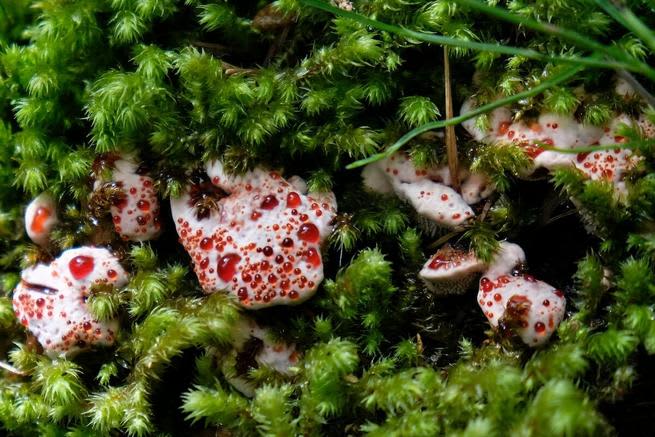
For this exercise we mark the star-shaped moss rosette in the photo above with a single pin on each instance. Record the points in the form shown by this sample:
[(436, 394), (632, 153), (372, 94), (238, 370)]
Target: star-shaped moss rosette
[(256, 236), (50, 300)]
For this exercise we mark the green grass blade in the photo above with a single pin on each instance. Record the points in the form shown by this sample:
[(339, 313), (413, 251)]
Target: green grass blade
[(594, 62), (580, 40), (555, 80), (630, 21)]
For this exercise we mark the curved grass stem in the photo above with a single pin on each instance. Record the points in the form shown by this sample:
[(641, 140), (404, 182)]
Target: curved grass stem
[(555, 80)]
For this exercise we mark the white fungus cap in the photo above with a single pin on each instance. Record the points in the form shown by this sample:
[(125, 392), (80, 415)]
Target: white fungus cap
[(450, 270), (262, 242), (532, 308), (50, 300), (40, 218), (428, 191)]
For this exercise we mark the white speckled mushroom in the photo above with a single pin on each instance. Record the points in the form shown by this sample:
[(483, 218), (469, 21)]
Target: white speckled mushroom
[(50, 300), (261, 240), (136, 213), (451, 271), (255, 345), (565, 132), (40, 218), (531, 308), (428, 191)]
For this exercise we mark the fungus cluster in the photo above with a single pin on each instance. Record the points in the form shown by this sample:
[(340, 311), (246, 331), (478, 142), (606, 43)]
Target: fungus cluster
[(134, 203), (429, 191), (509, 299), (50, 300), (40, 218), (565, 132), (256, 236)]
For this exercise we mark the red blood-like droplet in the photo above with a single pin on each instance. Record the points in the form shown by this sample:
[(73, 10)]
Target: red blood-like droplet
[(81, 266), (227, 266), (293, 294), (287, 242), (582, 156), (267, 251), (293, 200), (444, 197), (546, 302), (503, 127), (497, 297), (308, 232), (40, 302), (539, 327), (242, 293), (486, 285), (40, 216), (141, 220), (313, 257), (206, 244), (111, 273), (438, 262), (269, 202), (143, 205), (87, 326)]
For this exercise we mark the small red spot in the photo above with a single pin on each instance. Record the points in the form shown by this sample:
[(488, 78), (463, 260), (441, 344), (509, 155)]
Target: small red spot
[(268, 251), (41, 215), (555, 125), (111, 273), (510, 134), (255, 215), (558, 293), (204, 263), (582, 156), (206, 244), (117, 219), (147, 183), (438, 262), (242, 293), (539, 327), (308, 232), (497, 297), (486, 285), (293, 200), (503, 127), (269, 202), (287, 242), (81, 266), (313, 257), (444, 197), (141, 220), (133, 190), (272, 278), (293, 294), (456, 216), (40, 302), (227, 266), (143, 205), (87, 326), (546, 302)]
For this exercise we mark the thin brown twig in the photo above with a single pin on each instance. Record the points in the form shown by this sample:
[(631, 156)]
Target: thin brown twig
[(451, 141)]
